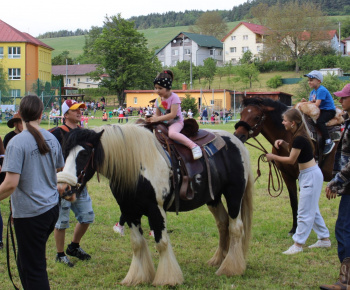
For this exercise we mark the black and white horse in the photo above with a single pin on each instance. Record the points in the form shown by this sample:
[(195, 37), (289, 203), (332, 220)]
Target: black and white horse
[(140, 179)]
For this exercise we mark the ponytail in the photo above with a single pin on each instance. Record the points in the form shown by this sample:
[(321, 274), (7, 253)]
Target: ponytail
[(30, 109)]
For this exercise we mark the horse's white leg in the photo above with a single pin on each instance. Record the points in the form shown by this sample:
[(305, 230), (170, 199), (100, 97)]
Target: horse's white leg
[(221, 218), (141, 269), (234, 262), (168, 271)]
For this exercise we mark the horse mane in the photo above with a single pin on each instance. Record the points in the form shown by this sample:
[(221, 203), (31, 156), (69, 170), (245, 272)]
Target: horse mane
[(278, 108), (128, 149)]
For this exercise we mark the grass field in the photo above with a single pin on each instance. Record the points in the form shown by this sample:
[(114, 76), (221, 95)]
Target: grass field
[(194, 239)]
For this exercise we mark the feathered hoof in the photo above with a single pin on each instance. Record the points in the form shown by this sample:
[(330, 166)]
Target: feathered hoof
[(233, 269), (215, 261), (133, 282), (169, 282)]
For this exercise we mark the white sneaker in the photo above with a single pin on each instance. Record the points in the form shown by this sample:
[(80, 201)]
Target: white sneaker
[(119, 229), (321, 244), (197, 152), (151, 233), (293, 250)]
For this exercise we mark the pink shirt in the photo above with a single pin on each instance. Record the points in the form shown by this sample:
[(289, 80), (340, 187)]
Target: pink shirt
[(166, 105)]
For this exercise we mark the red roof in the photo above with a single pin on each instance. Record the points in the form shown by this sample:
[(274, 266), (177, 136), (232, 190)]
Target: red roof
[(322, 35), (256, 28), (11, 34)]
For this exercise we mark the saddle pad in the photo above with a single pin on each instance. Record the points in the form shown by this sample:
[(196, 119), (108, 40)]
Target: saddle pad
[(214, 146)]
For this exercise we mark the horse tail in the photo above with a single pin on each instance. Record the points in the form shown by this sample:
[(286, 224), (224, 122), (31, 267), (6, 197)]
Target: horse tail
[(247, 211)]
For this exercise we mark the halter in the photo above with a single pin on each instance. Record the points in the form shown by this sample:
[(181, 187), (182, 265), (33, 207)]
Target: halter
[(249, 128), (82, 173)]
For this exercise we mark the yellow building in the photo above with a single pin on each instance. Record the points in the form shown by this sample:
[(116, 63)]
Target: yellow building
[(213, 99), (24, 59)]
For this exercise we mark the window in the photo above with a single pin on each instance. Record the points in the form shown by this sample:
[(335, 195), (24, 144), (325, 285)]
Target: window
[(245, 49), (233, 60), (135, 100), (258, 48), (14, 52), (88, 86), (173, 63), (68, 81), (14, 73), (211, 102), (175, 52), (233, 37), (212, 52), (1, 52), (78, 80), (87, 80), (233, 49), (187, 51), (245, 37), (15, 93)]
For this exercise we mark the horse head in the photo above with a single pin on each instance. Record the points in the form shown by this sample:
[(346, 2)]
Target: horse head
[(252, 119), (83, 155), (254, 115)]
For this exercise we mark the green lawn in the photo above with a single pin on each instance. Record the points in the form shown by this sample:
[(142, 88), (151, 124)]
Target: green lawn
[(194, 238)]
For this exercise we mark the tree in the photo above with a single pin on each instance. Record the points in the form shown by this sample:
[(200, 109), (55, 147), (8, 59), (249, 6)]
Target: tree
[(90, 55), (209, 69), (247, 57), (124, 57), (294, 30), (345, 27), (4, 86), (189, 103), (210, 23), (61, 59), (247, 73)]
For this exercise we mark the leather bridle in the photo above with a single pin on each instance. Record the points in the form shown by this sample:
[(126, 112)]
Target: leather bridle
[(251, 129)]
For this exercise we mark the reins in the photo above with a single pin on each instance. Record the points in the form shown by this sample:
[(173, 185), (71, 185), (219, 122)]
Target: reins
[(278, 174)]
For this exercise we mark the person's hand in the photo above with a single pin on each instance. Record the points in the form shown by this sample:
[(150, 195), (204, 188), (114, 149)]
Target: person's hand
[(152, 119), (269, 156), (330, 194), (278, 143)]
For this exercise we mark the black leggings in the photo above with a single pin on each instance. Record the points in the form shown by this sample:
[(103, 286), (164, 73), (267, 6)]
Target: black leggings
[(324, 117), (32, 234)]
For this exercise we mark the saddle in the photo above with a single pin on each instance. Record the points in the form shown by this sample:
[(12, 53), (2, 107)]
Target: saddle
[(181, 156), (315, 135), (311, 113)]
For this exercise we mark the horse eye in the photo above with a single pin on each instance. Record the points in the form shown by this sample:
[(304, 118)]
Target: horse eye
[(257, 117)]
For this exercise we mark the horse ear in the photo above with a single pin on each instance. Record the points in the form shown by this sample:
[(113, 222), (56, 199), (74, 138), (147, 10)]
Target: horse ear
[(98, 138)]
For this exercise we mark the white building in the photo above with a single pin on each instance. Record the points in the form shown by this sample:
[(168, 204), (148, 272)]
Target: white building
[(190, 46), (245, 36), (76, 75)]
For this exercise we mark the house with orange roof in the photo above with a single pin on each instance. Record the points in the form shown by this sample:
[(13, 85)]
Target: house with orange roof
[(24, 59), (245, 36)]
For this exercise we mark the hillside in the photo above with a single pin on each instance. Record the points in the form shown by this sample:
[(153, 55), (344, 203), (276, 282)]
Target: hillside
[(157, 37)]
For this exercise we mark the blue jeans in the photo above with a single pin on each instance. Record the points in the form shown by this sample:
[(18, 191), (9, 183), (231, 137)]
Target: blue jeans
[(342, 228), (82, 209)]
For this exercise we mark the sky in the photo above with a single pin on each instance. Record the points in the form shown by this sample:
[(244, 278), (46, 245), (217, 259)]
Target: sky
[(37, 16)]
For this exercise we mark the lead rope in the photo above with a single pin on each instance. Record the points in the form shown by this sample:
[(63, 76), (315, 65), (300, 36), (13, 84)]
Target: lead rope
[(9, 235), (278, 174)]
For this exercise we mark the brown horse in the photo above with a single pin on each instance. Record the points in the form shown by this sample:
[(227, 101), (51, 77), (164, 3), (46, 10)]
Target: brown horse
[(265, 116)]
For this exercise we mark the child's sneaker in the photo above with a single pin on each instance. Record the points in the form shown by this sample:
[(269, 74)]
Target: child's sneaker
[(197, 152), (321, 244), (328, 148), (151, 233), (119, 229), (293, 250)]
